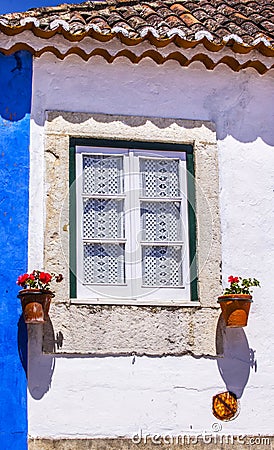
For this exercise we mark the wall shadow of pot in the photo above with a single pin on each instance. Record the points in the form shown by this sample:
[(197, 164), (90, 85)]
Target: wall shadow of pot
[(41, 365), (22, 343), (236, 357)]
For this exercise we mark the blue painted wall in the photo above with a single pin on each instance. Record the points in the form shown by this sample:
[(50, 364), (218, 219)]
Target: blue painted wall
[(15, 104)]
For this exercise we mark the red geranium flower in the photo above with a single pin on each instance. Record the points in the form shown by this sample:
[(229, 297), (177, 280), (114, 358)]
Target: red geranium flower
[(38, 280), (45, 277), (232, 279), (21, 281)]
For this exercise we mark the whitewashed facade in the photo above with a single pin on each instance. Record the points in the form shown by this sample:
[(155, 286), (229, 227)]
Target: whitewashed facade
[(104, 377), (116, 396)]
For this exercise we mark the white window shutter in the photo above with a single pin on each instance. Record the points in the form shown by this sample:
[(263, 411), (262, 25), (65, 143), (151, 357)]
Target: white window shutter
[(161, 222), (132, 229), (103, 219)]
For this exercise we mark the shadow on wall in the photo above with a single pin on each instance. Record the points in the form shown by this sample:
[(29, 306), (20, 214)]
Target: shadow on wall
[(15, 76), (22, 342), (240, 104), (237, 359), (231, 343), (41, 366)]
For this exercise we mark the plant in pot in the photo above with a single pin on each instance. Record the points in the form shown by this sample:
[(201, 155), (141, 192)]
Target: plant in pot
[(236, 300), (36, 295)]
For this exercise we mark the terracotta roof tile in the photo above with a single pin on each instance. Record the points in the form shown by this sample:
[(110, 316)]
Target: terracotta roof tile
[(211, 24), (226, 10), (136, 22), (216, 19), (146, 11), (173, 21), (101, 23), (201, 14), (189, 19), (179, 9), (257, 18), (155, 21), (164, 11), (128, 12)]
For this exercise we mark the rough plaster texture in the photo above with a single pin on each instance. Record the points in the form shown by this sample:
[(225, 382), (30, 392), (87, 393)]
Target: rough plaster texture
[(126, 330), (84, 396), (131, 330)]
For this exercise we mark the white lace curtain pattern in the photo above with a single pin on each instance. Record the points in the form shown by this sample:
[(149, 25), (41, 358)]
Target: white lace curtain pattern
[(104, 215)]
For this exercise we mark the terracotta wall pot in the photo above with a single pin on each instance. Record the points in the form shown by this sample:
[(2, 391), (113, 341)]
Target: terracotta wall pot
[(35, 304), (235, 309)]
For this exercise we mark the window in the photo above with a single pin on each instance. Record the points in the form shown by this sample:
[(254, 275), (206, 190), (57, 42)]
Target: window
[(108, 329), (131, 234)]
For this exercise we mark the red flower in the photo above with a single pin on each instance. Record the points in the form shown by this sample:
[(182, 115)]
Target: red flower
[(31, 277), (45, 277), (232, 279), (22, 279)]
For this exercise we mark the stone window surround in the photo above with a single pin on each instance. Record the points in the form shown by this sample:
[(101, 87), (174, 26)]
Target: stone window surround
[(197, 319)]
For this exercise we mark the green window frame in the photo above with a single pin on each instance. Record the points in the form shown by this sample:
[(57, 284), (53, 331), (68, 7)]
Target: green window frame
[(121, 144)]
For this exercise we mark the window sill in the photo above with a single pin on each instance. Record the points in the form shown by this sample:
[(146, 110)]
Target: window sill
[(142, 302)]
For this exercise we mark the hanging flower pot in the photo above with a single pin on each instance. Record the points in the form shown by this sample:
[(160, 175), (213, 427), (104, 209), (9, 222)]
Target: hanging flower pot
[(35, 304), (236, 301), (235, 309), (36, 295)]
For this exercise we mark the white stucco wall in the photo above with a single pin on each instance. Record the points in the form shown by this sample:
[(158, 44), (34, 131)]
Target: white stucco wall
[(118, 396)]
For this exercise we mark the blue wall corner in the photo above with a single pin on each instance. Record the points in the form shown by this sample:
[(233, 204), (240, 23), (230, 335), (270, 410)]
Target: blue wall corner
[(15, 105)]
